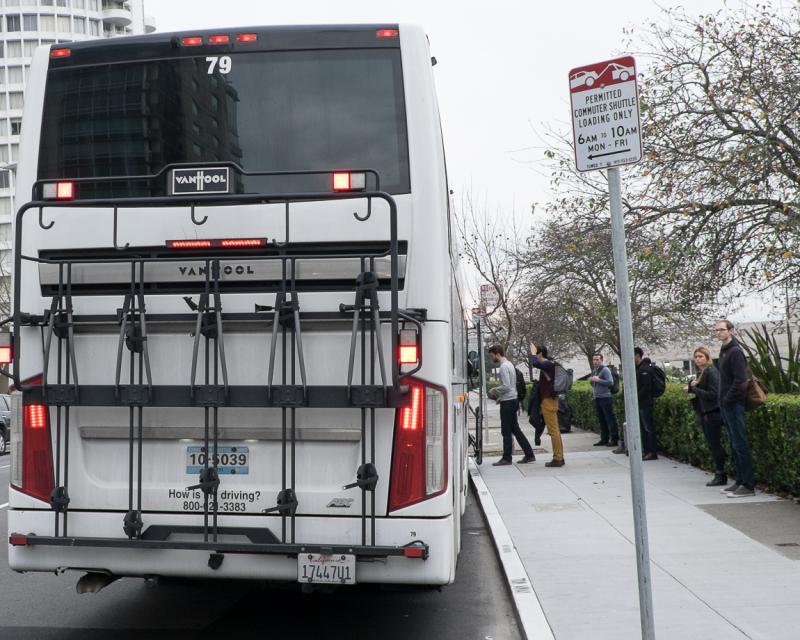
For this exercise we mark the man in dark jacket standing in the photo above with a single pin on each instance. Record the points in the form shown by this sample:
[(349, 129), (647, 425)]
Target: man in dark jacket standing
[(732, 392), (644, 389)]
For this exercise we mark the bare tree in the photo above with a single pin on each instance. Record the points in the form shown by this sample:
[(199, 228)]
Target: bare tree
[(492, 244)]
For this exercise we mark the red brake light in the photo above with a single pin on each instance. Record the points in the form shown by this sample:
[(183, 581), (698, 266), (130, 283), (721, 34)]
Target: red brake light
[(419, 458), (191, 41), (189, 244), (227, 243), (243, 242), (37, 454), (341, 181), (408, 354), (387, 33), (411, 552), (246, 37), (65, 190), (6, 355), (223, 39), (60, 53)]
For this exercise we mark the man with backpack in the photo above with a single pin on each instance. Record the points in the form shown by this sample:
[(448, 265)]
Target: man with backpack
[(650, 384), (548, 398), (602, 385)]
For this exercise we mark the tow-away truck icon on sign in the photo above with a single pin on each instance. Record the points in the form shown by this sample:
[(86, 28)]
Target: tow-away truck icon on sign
[(589, 78)]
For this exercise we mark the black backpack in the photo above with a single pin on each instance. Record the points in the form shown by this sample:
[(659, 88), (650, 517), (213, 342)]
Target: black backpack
[(614, 379), (659, 381), (522, 389)]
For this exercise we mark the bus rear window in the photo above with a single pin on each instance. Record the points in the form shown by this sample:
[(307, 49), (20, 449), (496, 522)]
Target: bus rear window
[(289, 111)]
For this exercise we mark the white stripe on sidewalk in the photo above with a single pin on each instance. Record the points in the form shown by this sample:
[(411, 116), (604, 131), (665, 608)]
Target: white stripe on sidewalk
[(4, 505), (529, 610)]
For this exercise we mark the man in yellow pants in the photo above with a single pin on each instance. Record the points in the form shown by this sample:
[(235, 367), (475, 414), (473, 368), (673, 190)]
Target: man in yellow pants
[(549, 401)]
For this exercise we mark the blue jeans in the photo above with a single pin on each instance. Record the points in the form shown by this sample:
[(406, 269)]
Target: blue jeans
[(608, 421), (733, 416)]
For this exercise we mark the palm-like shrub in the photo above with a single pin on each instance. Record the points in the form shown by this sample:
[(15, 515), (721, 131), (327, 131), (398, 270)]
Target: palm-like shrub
[(779, 373)]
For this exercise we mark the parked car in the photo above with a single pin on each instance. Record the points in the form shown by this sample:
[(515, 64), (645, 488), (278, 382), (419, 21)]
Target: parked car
[(5, 422)]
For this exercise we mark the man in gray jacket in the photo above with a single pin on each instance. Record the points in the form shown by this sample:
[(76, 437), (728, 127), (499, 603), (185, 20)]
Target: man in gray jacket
[(602, 381), (506, 393)]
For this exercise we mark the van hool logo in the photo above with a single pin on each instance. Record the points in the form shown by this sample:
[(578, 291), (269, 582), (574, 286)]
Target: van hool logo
[(211, 180)]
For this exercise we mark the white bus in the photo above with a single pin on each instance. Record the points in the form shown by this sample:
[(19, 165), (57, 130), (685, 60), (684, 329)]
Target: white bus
[(238, 338)]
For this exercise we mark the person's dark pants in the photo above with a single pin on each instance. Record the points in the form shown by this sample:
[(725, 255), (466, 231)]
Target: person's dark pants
[(712, 428), (607, 419), (508, 426), (733, 416), (648, 429)]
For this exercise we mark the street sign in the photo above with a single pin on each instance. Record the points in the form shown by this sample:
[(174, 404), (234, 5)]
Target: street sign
[(605, 114), (490, 296)]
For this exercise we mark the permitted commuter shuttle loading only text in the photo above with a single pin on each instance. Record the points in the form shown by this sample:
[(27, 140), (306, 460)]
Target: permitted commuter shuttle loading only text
[(605, 114)]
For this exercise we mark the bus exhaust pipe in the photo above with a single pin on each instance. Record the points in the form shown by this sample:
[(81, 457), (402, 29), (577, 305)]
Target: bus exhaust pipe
[(94, 581)]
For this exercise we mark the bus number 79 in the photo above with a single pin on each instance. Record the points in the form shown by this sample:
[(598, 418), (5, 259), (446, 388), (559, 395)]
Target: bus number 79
[(224, 63)]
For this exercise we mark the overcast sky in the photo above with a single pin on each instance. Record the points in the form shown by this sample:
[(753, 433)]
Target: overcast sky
[(501, 74)]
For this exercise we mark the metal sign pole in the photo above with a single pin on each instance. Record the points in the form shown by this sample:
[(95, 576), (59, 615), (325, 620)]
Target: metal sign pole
[(632, 436)]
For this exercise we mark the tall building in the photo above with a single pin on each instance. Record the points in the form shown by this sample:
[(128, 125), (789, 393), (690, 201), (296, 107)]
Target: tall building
[(25, 25)]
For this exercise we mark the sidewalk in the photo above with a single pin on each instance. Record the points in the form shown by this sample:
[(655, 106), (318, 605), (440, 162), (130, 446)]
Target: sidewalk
[(721, 568)]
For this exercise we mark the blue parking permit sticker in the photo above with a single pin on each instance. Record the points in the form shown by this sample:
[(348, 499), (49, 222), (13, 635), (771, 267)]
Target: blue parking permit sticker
[(229, 460)]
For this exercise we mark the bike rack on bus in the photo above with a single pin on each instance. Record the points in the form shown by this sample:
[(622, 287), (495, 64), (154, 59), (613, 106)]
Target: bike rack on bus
[(214, 391)]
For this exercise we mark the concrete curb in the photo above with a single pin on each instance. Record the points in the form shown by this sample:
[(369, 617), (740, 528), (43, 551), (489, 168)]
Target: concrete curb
[(526, 603)]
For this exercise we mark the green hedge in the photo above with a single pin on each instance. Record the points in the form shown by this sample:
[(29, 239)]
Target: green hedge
[(773, 433)]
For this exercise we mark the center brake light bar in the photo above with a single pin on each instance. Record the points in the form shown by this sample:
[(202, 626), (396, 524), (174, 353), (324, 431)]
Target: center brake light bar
[(196, 41), (227, 243)]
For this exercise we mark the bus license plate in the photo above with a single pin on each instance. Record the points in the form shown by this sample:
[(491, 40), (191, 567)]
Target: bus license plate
[(230, 460), (321, 568)]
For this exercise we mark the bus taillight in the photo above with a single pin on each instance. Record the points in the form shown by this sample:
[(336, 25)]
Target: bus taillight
[(343, 181), (32, 461), (6, 349), (58, 190), (419, 459), (408, 347), (387, 33), (60, 53)]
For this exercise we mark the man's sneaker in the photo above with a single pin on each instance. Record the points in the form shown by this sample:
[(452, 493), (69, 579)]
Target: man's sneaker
[(649, 456), (717, 481), (526, 460), (601, 443), (742, 492), (620, 449), (502, 462), (554, 463), (730, 489)]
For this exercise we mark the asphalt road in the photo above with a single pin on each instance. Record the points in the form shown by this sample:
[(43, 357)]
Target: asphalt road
[(477, 606)]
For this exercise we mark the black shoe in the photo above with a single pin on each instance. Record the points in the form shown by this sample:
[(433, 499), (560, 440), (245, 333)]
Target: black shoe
[(554, 463), (612, 443), (601, 443), (742, 492), (731, 488), (502, 462), (537, 440), (649, 456), (526, 459), (718, 480)]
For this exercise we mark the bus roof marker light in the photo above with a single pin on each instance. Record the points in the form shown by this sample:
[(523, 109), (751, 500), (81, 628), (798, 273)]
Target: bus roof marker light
[(387, 33), (221, 39), (191, 41), (246, 37), (60, 53), (344, 181)]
